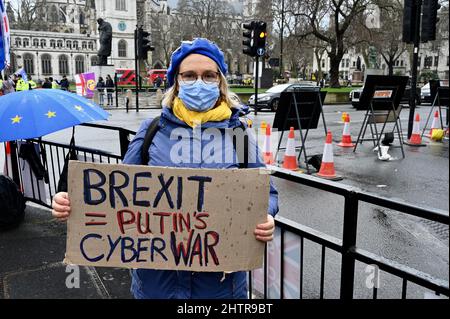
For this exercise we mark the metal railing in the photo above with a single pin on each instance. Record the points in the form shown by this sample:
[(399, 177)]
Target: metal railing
[(52, 154), (347, 247)]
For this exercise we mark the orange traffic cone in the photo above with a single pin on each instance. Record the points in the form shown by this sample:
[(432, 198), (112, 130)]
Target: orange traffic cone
[(290, 157), (346, 137), (434, 124), (327, 167), (416, 138), (267, 154)]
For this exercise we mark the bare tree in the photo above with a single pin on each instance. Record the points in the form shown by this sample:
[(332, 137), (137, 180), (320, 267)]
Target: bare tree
[(215, 20), (205, 17), (28, 14), (163, 32), (388, 39), (329, 21)]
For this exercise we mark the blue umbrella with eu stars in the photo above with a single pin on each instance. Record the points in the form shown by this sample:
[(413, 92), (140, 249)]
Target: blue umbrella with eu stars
[(35, 113)]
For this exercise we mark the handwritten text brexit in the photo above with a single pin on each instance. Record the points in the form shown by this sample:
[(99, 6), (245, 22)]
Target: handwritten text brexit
[(183, 236)]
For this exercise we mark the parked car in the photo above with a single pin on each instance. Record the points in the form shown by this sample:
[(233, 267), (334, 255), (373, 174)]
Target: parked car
[(354, 96), (425, 91), (271, 98)]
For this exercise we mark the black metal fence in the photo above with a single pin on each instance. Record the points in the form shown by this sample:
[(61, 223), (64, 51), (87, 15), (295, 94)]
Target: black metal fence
[(347, 247), (53, 154)]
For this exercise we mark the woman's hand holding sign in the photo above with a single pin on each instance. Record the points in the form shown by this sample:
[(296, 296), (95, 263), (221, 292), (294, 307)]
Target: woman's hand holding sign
[(61, 206), (264, 232)]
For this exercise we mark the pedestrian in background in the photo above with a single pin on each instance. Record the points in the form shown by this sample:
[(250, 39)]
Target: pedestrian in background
[(198, 93), (64, 83), (21, 85), (31, 84), (54, 83), (101, 90), (109, 84), (8, 86), (47, 84)]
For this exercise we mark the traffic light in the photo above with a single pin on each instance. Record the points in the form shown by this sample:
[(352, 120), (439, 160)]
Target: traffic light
[(409, 20), (249, 38), (143, 44), (429, 20), (260, 38)]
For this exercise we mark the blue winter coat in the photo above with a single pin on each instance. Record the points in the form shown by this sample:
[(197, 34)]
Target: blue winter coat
[(165, 284)]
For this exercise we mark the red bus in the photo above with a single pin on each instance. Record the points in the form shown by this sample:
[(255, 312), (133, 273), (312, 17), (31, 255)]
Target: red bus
[(154, 73), (126, 77)]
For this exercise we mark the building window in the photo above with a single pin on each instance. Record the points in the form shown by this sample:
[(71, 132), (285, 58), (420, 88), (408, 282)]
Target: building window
[(75, 45), (79, 64), (94, 60), (59, 44), (323, 63), (35, 42), (122, 49), (18, 42), (63, 65), (401, 63), (46, 64), (121, 5), (347, 64), (436, 61), (69, 44), (84, 45), (82, 19), (91, 45), (448, 60), (53, 16), (428, 62), (28, 63), (43, 43), (53, 44), (26, 42)]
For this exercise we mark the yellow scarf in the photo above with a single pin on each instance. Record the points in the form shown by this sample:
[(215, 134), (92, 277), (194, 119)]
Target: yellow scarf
[(219, 113)]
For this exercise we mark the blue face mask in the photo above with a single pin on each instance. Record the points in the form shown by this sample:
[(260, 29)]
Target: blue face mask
[(199, 97)]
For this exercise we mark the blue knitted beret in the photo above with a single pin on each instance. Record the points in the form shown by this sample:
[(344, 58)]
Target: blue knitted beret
[(199, 46)]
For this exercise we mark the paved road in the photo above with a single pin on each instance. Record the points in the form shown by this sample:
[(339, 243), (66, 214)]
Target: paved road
[(421, 179)]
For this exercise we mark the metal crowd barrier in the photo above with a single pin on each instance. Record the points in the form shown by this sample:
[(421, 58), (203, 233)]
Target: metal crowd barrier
[(259, 281)]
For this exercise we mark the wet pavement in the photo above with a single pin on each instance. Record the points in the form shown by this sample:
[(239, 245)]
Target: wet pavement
[(420, 179)]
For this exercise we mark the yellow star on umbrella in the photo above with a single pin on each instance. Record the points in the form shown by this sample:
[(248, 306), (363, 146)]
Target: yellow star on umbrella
[(50, 114), (79, 108), (16, 120)]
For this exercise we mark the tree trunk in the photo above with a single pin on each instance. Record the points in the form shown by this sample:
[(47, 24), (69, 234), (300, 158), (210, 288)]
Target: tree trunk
[(391, 69), (335, 59), (334, 76), (391, 66)]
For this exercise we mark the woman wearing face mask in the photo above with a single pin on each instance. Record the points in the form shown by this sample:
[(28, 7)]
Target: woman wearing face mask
[(198, 97)]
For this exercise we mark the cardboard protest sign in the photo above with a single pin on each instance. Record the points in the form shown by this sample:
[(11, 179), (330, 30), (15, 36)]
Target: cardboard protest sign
[(165, 218)]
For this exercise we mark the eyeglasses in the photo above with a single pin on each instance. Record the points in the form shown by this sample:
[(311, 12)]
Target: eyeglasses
[(208, 77)]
